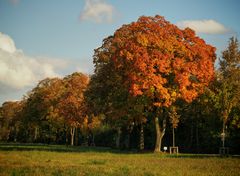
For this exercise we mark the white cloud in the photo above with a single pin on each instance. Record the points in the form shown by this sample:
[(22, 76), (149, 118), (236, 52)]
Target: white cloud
[(18, 70), (6, 43), (97, 11), (204, 26)]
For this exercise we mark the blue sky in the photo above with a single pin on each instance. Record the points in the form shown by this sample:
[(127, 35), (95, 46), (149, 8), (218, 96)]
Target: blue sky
[(42, 38)]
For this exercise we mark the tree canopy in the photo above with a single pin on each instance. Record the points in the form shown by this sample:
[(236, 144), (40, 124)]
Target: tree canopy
[(158, 60)]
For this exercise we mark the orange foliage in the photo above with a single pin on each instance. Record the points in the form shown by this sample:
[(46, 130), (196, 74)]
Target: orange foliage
[(72, 104), (159, 60)]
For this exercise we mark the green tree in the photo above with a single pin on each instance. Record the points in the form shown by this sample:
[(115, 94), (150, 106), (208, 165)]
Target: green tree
[(228, 84), (174, 120)]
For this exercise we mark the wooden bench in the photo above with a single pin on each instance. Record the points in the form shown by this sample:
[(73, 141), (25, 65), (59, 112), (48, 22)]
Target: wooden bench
[(173, 150)]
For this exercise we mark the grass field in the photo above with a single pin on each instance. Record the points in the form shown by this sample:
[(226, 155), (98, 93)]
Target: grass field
[(70, 161)]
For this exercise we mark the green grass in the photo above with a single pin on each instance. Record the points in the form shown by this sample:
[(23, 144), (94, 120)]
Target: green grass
[(61, 160)]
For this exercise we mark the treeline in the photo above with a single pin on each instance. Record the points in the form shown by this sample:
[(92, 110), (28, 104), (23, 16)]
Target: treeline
[(154, 85)]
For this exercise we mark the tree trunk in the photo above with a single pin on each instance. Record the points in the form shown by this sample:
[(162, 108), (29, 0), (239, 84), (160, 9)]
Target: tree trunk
[(118, 138), (35, 134), (173, 136), (66, 135), (16, 129), (93, 140), (72, 132), (57, 136), (223, 135), (141, 145), (159, 134)]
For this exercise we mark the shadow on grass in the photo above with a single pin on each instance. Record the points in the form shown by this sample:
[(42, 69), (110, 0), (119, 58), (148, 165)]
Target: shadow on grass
[(58, 148), (79, 149)]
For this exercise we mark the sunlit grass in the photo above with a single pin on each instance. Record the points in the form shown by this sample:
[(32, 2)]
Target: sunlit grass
[(50, 160)]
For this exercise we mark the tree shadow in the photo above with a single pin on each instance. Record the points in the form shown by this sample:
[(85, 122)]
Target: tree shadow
[(89, 149), (60, 148)]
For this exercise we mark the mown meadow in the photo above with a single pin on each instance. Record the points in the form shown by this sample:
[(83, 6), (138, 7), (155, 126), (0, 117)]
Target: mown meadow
[(18, 159)]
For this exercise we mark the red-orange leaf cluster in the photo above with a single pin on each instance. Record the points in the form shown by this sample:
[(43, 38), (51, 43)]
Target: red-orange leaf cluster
[(72, 105), (159, 60)]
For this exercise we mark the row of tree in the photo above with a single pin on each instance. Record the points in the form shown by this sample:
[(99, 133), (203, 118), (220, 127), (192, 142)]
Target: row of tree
[(151, 80)]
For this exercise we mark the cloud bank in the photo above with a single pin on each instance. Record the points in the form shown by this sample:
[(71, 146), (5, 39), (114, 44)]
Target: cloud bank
[(204, 26), (97, 11), (18, 70)]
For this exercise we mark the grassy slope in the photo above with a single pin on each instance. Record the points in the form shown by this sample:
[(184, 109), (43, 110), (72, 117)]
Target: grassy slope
[(61, 160)]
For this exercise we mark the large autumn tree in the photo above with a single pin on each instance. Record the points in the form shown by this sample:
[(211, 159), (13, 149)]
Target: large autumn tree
[(157, 61)]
